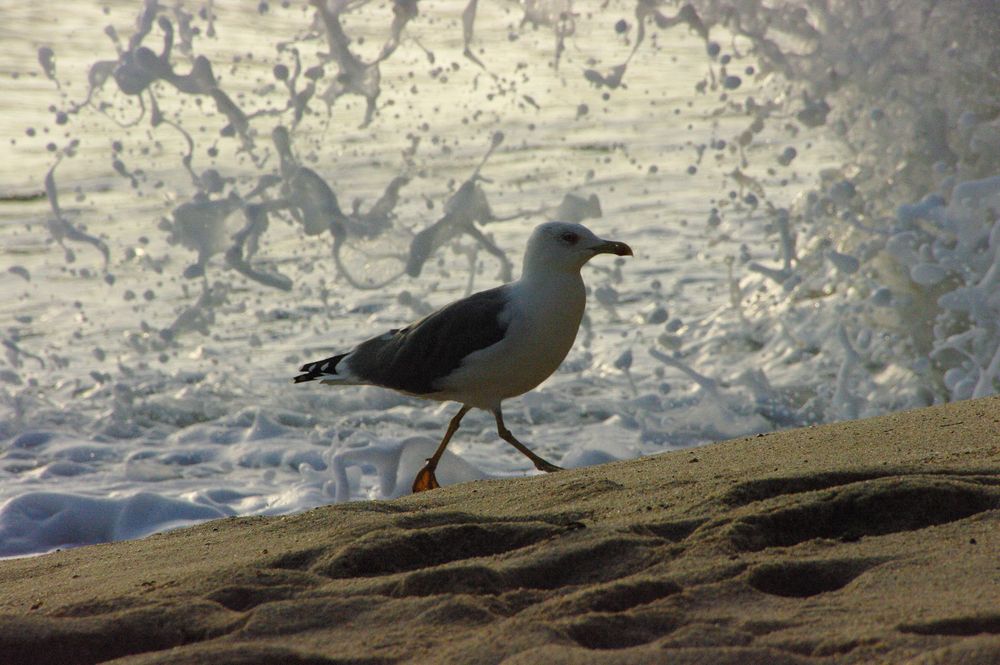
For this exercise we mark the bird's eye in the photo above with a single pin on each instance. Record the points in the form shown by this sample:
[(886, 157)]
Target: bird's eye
[(569, 237)]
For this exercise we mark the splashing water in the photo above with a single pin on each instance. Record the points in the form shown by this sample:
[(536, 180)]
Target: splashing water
[(198, 197)]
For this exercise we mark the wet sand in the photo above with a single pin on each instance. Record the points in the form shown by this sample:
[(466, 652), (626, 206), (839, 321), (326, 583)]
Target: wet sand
[(859, 542)]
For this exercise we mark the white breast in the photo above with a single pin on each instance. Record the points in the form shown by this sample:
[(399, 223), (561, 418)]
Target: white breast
[(544, 319)]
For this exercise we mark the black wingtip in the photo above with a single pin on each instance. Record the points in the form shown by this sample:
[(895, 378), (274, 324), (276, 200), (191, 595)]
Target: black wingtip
[(318, 369)]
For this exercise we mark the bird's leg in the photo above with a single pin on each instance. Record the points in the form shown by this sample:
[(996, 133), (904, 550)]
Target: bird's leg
[(425, 479), (505, 434)]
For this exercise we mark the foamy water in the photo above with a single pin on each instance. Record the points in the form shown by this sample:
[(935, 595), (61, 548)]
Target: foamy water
[(197, 200)]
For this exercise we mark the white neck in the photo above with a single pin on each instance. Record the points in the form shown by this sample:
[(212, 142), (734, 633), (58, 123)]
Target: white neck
[(554, 294)]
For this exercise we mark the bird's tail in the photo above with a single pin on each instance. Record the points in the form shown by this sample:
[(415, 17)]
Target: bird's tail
[(320, 369)]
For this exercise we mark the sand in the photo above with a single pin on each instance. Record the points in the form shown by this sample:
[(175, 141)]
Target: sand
[(860, 542)]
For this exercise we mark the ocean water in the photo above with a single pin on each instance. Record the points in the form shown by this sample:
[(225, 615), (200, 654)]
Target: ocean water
[(196, 198)]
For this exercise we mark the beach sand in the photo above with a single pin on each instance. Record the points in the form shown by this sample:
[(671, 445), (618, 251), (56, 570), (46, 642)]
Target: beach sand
[(858, 542)]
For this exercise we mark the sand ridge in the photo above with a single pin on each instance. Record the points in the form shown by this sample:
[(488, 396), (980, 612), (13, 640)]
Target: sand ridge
[(866, 541)]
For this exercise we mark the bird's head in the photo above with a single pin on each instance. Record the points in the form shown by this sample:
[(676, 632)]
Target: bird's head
[(565, 246)]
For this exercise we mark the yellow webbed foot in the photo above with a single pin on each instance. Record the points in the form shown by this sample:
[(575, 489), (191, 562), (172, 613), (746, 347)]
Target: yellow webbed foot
[(425, 480)]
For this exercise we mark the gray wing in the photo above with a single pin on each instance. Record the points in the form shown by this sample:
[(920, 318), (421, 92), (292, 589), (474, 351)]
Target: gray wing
[(414, 358)]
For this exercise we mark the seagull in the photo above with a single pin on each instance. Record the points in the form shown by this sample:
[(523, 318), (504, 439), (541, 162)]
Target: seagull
[(487, 347)]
